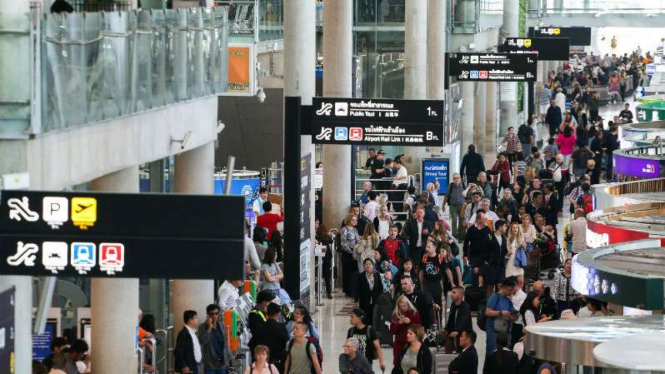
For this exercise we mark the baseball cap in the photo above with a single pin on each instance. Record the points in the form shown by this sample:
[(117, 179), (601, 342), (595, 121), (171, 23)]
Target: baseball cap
[(381, 152)]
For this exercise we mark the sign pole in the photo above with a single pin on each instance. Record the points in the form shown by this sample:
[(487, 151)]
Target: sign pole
[(292, 131)]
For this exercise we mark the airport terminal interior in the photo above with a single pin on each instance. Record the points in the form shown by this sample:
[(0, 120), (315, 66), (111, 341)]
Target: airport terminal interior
[(332, 186)]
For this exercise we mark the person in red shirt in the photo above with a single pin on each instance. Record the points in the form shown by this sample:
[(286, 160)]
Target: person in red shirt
[(269, 220), (394, 247), (502, 168)]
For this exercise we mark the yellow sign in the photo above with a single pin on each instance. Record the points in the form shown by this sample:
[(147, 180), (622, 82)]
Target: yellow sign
[(84, 212), (527, 43), (556, 31)]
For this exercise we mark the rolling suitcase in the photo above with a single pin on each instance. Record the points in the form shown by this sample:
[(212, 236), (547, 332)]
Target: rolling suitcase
[(382, 314), (441, 361)]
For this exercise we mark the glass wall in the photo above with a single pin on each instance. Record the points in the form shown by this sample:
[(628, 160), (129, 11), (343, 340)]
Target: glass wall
[(98, 66)]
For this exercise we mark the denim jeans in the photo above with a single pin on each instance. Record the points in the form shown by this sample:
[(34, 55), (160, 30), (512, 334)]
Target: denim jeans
[(215, 371)]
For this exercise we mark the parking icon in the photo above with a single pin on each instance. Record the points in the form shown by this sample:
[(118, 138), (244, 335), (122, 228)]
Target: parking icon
[(55, 211), (83, 256)]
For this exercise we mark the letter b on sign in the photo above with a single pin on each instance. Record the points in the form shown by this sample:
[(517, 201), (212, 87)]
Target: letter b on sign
[(430, 136)]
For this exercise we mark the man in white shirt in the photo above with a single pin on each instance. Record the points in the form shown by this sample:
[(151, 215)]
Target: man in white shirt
[(187, 352), (257, 206), (400, 183), (371, 209), (228, 294), (517, 299), (489, 215), (578, 229)]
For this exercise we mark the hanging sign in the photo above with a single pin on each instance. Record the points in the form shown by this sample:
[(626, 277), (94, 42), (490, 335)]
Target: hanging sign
[(548, 49), (492, 67)]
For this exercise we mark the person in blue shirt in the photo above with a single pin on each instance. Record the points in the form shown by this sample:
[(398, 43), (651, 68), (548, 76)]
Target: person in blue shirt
[(500, 306)]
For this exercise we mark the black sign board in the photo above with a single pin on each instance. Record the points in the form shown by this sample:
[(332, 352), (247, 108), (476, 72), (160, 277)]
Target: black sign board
[(548, 49), (121, 235), (7, 332), (305, 230), (579, 36), (493, 67), (369, 121)]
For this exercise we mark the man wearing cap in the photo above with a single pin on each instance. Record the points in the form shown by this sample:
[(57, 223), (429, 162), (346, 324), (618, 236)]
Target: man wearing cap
[(379, 171), (400, 183)]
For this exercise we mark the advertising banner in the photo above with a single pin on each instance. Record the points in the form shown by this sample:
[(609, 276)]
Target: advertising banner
[(493, 67), (377, 122), (636, 167), (579, 36), (7, 360), (548, 49), (600, 235), (436, 169), (241, 69), (116, 235), (305, 229)]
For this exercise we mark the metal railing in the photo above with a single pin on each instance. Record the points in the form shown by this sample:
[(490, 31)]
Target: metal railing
[(101, 5), (637, 187)]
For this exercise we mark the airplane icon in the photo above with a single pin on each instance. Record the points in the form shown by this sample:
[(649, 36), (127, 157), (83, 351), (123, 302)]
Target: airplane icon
[(82, 207)]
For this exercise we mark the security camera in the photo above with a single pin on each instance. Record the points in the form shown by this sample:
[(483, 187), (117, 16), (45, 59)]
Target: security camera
[(184, 142), (260, 95)]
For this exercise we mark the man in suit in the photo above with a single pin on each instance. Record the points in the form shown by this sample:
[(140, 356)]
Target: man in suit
[(417, 230), (187, 350), (459, 318), (467, 361), (551, 206)]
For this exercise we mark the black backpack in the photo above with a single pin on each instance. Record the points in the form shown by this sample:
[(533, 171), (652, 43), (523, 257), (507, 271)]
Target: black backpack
[(522, 134)]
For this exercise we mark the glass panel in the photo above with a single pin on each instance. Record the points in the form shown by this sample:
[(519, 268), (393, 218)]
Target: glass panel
[(271, 19), (15, 82), (379, 12), (104, 65)]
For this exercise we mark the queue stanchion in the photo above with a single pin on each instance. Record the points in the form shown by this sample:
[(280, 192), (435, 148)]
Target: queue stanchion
[(319, 254), (141, 354), (333, 260)]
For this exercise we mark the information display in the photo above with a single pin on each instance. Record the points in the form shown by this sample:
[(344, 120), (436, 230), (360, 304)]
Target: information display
[(436, 169), (7, 306), (636, 167), (41, 343), (121, 235), (305, 229), (493, 67), (548, 49), (579, 36), (377, 122)]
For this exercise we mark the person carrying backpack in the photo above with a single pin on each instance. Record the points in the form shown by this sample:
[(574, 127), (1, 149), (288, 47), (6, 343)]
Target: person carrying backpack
[(586, 201), (367, 336), (301, 355)]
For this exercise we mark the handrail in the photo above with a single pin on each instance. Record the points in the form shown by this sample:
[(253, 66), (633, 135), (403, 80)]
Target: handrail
[(153, 356), (637, 187), (141, 353)]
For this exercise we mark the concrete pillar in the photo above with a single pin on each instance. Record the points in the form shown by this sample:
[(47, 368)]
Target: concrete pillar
[(22, 320), (194, 174), (509, 89), (415, 67), (436, 49), (22, 284), (337, 82), (115, 302), (467, 115), (596, 42), (491, 103), (299, 80), (480, 117), (542, 71)]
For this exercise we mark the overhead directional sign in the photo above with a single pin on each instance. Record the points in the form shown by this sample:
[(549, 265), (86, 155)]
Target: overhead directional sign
[(579, 36), (369, 121), (493, 67), (121, 235), (548, 49)]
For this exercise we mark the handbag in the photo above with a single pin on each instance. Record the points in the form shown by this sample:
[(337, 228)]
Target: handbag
[(467, 276), (501, 324)]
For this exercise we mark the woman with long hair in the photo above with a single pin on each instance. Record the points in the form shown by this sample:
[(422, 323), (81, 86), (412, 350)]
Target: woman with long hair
[(301, 314), (383, 221), (530, 310), (528, 229), (404, 315), (415, 353), (439, 234), (271, 273), (515, 242), (502, 169), (367, 246), (349, 239)]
